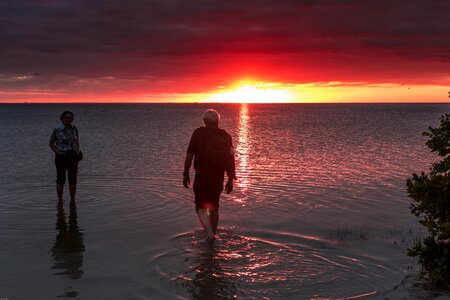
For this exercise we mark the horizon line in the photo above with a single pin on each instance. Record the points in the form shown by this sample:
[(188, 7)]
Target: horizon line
[(256, 103)]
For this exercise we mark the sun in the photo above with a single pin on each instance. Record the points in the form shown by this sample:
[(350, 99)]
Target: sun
[(257, 93)]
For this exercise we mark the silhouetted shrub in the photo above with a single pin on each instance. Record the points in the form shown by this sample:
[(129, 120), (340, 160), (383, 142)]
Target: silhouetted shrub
[(431, 194)]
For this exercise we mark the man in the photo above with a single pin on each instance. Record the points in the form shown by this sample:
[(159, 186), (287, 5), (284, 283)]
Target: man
[(213, 151)]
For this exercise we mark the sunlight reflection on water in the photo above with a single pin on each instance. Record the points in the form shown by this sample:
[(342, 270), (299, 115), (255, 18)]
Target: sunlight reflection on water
[(243, 149)]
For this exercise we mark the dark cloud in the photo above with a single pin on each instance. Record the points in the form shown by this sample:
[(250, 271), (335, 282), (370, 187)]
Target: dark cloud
[(175, 45)]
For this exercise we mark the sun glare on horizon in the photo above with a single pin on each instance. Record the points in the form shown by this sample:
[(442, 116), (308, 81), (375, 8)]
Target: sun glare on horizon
[(253, 94)]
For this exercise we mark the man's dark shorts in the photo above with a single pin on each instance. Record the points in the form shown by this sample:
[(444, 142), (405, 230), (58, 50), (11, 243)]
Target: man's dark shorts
[(207, 190), (67, 163)]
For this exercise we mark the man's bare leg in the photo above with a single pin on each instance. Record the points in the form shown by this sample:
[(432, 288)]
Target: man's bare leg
[(205, 219), (214, 220), (59, 191)]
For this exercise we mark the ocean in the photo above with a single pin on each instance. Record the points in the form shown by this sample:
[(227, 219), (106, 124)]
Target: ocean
[(320, 210)]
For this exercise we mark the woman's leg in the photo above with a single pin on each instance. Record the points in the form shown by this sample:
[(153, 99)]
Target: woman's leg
[(61, 168), (72, 170), (60, 191), (72, 191)]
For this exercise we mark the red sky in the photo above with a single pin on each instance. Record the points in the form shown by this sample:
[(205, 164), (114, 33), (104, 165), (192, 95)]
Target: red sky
[(168, 50)]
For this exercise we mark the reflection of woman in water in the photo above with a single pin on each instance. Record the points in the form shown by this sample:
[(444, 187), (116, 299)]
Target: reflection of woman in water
[(69, 247), (66, 145)]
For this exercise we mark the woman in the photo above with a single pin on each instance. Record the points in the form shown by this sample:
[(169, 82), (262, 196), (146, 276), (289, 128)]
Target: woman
[(66, 145)]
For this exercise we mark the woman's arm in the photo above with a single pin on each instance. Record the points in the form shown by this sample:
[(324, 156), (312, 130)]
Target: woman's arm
[(52, 145), (77, 140), (54, 149)]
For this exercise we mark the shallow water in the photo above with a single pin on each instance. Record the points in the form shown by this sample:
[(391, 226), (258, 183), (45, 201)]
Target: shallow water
[(319, 211)]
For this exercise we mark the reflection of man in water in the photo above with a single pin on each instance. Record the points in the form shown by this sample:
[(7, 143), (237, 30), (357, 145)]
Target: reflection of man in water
[(211, 279), (69, 247), (213, 151)]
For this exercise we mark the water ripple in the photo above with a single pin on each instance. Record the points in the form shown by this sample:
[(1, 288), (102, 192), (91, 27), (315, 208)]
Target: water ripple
[(263, 264)]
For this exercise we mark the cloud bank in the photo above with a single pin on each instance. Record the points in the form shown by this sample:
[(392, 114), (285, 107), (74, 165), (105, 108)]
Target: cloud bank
[(91, 48)]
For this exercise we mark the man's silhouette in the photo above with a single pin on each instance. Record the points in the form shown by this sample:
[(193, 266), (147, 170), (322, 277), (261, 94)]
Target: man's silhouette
[(212, 151)]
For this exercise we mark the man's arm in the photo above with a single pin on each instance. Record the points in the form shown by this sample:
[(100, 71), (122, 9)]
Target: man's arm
[(191, 151), (187, 166), (231, 172)]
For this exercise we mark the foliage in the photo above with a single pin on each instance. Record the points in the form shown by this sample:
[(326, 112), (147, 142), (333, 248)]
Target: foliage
[(431, 195)]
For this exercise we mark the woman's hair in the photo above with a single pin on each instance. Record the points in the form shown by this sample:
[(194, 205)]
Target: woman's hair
[(211, 116), (66, 113)]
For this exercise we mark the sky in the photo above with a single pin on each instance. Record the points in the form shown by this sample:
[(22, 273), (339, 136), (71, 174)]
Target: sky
[(224, 50)]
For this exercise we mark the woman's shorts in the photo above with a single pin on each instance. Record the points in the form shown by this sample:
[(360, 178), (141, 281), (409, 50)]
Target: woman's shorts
[(67, 163)]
